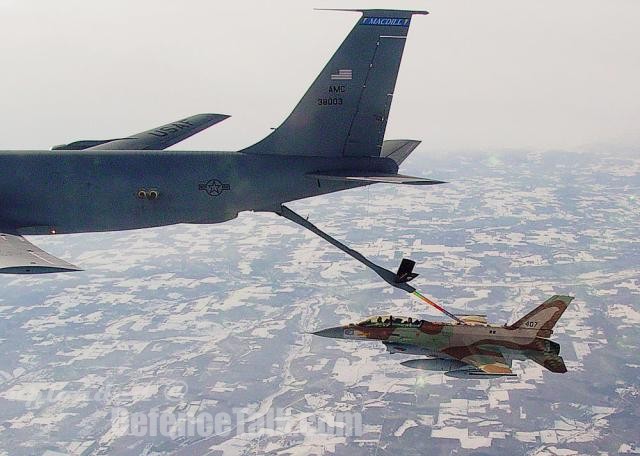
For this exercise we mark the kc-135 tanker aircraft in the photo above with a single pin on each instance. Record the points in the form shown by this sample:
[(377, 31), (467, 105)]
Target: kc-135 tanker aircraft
[(332, 141)]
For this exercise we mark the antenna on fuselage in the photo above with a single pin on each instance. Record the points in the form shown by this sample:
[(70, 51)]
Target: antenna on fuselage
[(398, 280)]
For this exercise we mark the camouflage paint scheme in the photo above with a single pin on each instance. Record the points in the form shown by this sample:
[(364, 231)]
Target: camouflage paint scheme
[(473, 348)]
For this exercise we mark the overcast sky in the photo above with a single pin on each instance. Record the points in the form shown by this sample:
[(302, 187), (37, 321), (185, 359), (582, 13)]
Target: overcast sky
[(477, 75)]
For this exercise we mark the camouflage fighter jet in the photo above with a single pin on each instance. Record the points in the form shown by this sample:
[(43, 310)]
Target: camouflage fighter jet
[(471, 349)]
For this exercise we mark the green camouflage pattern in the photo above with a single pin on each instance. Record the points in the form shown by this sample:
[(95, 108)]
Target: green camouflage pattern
[(484, 349)]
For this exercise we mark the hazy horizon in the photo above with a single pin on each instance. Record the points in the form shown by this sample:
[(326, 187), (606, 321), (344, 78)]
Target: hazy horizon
[(496, 76)]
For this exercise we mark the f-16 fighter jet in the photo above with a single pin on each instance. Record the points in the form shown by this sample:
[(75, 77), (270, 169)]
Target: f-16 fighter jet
[(470, 349), (332, 141)]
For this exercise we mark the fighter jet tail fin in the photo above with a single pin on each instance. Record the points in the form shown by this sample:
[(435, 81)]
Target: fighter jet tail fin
[(344, 112), (543, 318)]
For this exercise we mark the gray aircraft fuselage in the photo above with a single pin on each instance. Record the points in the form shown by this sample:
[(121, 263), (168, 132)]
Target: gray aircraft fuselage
[(333, 140), (84, 191)]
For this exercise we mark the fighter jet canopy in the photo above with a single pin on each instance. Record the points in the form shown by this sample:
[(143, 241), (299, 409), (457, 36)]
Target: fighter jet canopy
[(381, 320)]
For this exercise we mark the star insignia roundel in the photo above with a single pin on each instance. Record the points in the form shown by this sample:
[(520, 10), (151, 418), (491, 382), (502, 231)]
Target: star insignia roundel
[(214, 187)]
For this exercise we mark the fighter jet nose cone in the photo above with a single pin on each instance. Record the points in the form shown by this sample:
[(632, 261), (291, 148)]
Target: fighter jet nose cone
[(322, 333), (334, 333)]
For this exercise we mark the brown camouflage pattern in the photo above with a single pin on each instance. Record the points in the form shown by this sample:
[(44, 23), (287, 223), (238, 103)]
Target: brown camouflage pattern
[(481, 346)]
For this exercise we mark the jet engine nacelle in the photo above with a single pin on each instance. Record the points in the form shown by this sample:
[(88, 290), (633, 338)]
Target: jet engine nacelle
[(436, 365)]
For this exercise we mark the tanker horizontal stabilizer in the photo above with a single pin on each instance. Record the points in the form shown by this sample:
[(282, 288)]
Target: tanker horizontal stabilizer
[(374, 178)]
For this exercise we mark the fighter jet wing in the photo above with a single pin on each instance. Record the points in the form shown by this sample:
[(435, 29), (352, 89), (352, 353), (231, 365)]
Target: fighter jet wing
[(490, 362), (19, 256), (155, 139), (373, 178)]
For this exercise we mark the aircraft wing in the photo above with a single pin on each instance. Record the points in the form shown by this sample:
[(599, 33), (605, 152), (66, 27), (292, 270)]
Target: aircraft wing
[(19, 256), (488, 361), (374, 178), (155, 139)]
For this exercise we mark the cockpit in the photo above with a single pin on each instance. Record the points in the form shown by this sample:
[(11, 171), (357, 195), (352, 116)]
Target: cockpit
[(389, 320)]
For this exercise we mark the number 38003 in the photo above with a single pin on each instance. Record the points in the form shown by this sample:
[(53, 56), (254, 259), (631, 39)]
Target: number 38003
[(335, 101)]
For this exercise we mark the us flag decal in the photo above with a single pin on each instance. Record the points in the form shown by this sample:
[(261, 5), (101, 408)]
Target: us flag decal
[(342, 75)]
